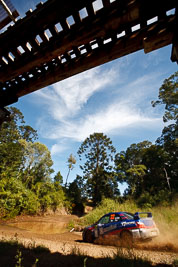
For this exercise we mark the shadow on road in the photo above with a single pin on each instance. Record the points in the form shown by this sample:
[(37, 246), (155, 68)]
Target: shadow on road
[(12, 253)]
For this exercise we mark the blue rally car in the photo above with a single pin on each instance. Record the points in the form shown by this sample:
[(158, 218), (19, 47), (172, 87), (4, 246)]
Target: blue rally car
[(126, 226)]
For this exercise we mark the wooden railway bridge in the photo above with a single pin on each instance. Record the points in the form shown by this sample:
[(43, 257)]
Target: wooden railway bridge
[(61, 38)]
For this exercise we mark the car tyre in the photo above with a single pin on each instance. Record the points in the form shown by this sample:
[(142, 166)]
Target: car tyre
[(88, 237)]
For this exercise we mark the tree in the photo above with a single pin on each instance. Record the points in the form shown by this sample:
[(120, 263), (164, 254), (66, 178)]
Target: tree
[(168, 95), (15, 129), (98, 175), (142, 167), (74, 194), (25, 171), (37, 163), (130, 167), (11, 149), (58, 178), (71, 161)]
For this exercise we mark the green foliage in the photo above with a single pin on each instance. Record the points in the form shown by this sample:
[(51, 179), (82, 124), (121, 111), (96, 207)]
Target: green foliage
[(58, 179), (175, 263), (75, 195), (25, 171), (48, 196), (149, 170), (99, 179), (168, 95), (36, 163), (147, 200), (15, 198), (19, 259)]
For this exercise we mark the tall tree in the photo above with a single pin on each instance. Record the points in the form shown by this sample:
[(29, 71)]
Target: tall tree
[(98, 174), (130, 167), (168, 96), (37, 163), (11, 150), (71, 161)]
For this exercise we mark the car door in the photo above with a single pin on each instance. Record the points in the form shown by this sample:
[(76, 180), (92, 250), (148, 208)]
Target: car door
[(103, 225)]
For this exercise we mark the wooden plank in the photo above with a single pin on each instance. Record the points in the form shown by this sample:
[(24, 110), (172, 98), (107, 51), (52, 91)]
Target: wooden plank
[(106, 23), (174, 53), (62, 43), (77, 17), (65, 25), (90, 10), (98, 56), (158, 36), (7, 20), (106, 3), (53, 30)]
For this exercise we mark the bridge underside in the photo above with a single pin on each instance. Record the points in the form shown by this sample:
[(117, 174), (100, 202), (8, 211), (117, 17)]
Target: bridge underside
[(62, 38)]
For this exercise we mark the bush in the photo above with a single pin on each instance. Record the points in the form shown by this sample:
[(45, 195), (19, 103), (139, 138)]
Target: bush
[(108, 205), (147, 200), (15, 198)]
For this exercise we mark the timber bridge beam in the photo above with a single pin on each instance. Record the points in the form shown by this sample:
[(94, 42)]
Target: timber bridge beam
[(62, 38)]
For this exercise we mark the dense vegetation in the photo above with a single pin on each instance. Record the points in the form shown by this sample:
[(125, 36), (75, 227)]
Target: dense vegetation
[(150, 170), (25, 169)]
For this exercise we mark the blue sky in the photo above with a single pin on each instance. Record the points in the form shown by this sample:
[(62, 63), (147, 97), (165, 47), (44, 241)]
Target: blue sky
[(114, 98)]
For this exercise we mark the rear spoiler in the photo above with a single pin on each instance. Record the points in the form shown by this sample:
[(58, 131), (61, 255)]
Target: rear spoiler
[(137, 215)]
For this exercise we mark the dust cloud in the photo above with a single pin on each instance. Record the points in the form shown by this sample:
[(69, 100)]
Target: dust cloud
[(167, 241)]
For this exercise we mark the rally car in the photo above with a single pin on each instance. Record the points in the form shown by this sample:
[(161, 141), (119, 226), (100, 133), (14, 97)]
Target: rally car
[(126, 226)]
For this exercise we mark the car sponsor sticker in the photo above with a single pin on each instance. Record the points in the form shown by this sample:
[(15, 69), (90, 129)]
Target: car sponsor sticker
[(127, 223)]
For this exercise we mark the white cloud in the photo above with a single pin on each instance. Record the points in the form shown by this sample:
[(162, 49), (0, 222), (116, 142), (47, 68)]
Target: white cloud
[(58, 148), (126, 109), (114, 118), (65, 99)]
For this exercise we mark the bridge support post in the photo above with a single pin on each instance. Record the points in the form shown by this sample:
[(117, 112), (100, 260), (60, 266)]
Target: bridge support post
[(174, 53)]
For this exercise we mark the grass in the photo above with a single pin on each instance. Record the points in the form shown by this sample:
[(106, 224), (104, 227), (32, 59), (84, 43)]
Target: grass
[(163, 215), (107, 205), (175, 263)]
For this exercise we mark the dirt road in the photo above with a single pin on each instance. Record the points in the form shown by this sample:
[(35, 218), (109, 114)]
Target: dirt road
[(51, 232)]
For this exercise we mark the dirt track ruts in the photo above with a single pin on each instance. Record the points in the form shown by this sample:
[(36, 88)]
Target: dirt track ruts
[(68, 242)]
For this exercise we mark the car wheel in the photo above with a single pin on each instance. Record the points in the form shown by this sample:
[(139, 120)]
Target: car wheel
[(126, 239), (88, 237)]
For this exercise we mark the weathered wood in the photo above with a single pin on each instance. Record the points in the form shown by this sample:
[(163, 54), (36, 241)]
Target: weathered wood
[(109, 21), (7, 19), (87, 43), (163, 37), (98, 56)]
